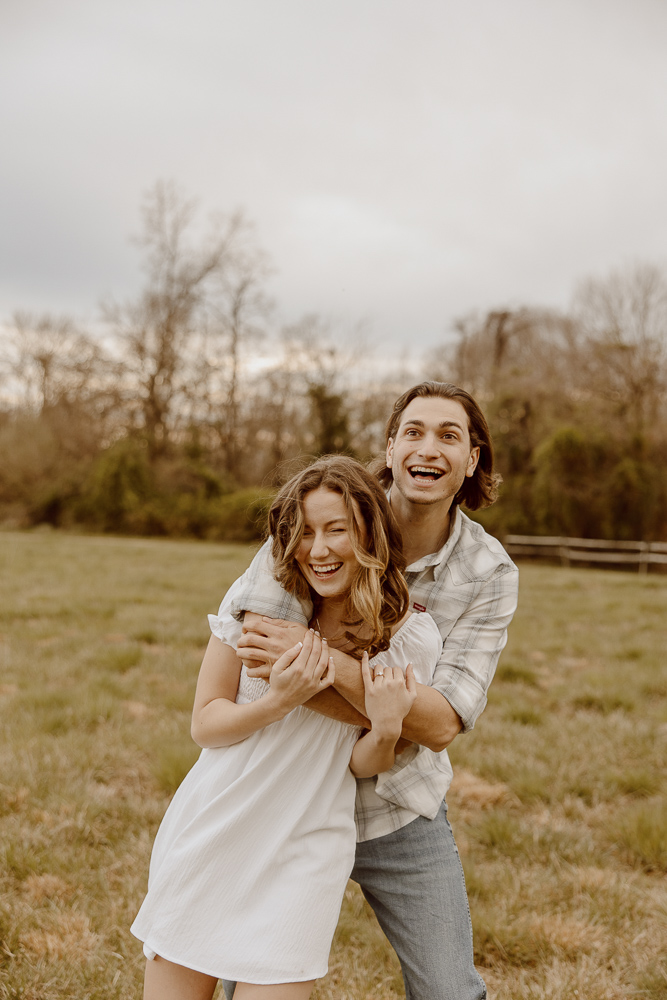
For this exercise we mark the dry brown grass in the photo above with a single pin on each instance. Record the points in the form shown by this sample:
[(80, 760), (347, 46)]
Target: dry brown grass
[(558, 803)]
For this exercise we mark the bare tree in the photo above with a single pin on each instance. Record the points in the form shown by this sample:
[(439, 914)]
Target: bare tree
[(303, 403), (322, 363), (200, 290), (49, 361), (623, 320), (236, 311)]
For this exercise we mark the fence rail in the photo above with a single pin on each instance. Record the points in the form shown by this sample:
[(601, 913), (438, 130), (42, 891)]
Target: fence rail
[(591, 550)]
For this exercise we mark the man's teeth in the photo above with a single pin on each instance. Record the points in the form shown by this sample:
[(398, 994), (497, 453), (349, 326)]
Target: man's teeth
[(423, 470)]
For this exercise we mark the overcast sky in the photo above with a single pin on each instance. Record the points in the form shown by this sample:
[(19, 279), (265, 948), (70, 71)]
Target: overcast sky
[(405, 161)]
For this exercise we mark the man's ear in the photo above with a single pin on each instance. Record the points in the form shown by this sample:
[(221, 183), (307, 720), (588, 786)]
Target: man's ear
[(390, 452), (472, 462)]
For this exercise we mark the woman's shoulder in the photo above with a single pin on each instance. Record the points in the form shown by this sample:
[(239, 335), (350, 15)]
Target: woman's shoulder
[(418, 624), (417, 641)]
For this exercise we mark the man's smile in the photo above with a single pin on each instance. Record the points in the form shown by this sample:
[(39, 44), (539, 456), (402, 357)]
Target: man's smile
[(425, 473)]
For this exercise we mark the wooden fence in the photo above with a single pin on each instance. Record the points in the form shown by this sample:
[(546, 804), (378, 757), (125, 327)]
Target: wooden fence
[(588, 550)]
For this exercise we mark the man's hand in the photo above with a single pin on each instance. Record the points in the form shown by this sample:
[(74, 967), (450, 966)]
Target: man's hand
[(264, 640)]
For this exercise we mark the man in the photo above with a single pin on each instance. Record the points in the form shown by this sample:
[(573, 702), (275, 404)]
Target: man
[(438, 455)]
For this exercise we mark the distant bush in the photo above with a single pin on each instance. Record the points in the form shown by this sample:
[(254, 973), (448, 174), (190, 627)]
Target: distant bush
[(40, 473), (236, 517), (568, 491), (179, 497), (242, 516), (584, 484), (119, 486), (121, 489)]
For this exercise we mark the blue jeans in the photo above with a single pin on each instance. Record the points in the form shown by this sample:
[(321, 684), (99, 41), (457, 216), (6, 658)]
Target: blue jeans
[(414, 882)]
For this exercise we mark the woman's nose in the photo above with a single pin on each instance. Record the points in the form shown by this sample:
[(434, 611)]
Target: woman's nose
[(319, 547)]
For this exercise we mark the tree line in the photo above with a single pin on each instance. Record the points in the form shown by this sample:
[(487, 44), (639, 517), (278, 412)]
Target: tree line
[(180, 413)]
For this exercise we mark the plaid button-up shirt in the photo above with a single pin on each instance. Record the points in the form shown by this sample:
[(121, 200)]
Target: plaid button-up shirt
[(470, 589)]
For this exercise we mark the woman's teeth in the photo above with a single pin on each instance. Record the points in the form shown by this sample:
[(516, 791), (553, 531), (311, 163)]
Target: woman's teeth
[(324, 571)]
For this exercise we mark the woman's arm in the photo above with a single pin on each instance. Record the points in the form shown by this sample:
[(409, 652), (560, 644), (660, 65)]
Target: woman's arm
[(217, 721), (388, 699)]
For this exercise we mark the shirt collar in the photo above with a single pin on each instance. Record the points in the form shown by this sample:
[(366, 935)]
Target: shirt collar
[(438, 559)]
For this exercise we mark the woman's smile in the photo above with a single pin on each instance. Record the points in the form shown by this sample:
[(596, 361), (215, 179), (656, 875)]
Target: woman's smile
[(325, 571)]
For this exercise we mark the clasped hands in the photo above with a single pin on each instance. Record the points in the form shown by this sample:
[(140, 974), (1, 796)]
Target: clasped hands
[(264, 640)]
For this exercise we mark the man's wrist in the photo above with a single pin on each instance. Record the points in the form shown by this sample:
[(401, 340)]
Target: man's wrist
[(385, 737)]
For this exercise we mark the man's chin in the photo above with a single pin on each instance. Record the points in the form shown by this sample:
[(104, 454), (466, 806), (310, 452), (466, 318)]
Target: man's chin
[(427, 499), (424, 496)]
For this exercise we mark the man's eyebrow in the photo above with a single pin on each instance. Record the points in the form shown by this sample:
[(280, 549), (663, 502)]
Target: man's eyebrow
[(442, 424)]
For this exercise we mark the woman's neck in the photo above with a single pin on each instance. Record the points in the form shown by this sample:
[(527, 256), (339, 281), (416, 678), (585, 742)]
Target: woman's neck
[(329, 616)]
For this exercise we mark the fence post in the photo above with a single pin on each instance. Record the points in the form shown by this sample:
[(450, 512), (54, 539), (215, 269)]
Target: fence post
[(643, 557), (564, 552)]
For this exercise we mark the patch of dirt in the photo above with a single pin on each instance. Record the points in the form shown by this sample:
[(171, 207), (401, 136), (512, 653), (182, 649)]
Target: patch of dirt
[(468, 789)]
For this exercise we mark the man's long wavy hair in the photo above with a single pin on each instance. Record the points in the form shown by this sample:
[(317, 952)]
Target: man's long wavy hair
[(378, 597), (480, 489)]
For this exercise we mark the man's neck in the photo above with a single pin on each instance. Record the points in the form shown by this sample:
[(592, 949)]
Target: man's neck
[(425, 527)]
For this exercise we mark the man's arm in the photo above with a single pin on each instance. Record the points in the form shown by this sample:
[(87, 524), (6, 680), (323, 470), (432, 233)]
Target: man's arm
[(258, 590), (457, 694), (474, 643), (431, 722), (333, 705)]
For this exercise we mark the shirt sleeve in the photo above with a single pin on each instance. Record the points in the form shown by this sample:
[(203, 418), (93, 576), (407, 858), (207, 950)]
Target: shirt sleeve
[(471, 650), (223, 625), (259, 591)]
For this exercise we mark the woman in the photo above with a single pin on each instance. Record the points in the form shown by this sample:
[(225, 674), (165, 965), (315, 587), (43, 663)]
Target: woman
[(251, 860)]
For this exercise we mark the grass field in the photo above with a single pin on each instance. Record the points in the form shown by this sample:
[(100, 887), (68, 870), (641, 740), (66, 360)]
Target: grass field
[(558, 804)]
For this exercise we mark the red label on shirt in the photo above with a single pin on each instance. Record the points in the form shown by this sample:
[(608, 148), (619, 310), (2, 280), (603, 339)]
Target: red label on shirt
[(418, 607)]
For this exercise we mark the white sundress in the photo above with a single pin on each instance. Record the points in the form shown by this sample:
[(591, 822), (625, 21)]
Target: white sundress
[(252, 857)]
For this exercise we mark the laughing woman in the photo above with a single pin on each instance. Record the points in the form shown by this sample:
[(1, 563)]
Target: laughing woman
[(252, 858)]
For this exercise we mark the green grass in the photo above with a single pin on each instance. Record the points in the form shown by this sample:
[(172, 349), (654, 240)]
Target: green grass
[(558, 803), (559, 800)]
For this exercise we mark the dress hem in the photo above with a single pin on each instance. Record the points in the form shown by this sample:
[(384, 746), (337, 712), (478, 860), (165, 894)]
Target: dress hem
[(230, 976)]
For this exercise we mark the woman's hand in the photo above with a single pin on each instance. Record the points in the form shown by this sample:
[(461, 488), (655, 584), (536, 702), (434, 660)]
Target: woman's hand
[(300, 673), (389, 697)]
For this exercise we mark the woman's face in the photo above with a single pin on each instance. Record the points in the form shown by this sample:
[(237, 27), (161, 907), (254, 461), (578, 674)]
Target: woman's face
[(325, 554)]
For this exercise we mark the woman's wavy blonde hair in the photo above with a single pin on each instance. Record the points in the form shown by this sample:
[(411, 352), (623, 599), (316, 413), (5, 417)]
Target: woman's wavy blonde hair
[(378, 597)]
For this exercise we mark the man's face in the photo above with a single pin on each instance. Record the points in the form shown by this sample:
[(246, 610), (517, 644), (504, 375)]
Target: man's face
[(431, 455)]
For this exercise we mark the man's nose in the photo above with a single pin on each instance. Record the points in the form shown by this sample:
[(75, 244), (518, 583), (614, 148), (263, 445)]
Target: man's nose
[(428, 445)]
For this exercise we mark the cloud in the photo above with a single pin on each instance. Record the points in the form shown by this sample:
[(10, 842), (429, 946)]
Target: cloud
[(404, 163)]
